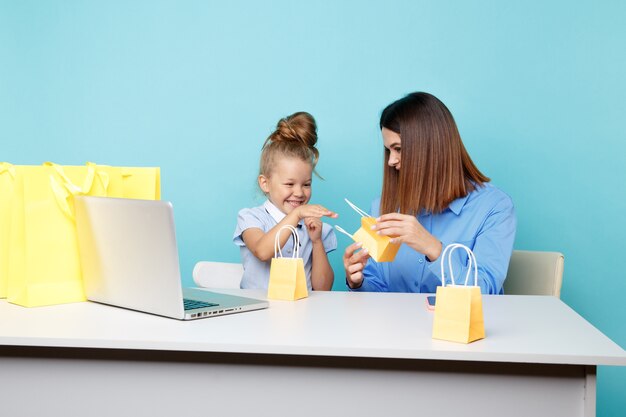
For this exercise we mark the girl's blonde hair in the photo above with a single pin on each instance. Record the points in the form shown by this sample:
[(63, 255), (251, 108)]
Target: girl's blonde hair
[(295, 136)]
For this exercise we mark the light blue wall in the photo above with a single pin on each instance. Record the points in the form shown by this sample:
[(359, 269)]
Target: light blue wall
[(537, 89)]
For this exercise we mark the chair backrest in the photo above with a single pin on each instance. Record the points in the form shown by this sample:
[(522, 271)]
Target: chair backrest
[(217, 274), (535, 273)]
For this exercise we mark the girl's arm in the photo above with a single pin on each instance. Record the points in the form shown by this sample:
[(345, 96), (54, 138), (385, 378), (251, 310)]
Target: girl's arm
[(322, 275), (261, 244)]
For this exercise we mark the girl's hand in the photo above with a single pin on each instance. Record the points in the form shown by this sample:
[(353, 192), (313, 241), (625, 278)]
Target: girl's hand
[(314, 227), (403, 228), (313, 210), (353, 263)]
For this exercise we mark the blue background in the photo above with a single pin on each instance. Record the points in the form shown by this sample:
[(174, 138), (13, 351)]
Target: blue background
[(537, 89)]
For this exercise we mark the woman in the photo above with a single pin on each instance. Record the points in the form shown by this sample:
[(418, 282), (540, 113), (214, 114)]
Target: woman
[(432, 195)]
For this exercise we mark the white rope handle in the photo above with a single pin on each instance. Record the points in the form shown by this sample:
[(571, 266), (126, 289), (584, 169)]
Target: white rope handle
[(339, 228), (358, 210), (471, 262), (296, 241)]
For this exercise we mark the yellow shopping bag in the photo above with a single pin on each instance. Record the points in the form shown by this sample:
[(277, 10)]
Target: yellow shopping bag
[(7, 178), (380, 248), (141, 182), (459, 308), (43, 256), (287, 278), (44, 267)]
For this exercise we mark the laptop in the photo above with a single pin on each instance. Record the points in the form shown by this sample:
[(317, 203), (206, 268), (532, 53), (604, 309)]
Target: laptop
[(129, 259)]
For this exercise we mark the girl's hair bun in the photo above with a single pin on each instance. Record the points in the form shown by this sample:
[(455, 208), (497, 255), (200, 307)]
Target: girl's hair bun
[(295, 136), (299, 127)]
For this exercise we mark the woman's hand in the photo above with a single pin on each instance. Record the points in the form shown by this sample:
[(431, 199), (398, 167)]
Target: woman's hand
[(404, 228), (353, 263)]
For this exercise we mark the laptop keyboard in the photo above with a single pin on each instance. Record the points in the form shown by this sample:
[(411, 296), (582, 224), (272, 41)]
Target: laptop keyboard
[(193, 304)]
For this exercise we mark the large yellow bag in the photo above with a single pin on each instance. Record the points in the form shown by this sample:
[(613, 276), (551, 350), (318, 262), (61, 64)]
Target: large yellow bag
[(126, 182), (380, 248), (44, 267), (7, 179), (287, 277), (458, 308)]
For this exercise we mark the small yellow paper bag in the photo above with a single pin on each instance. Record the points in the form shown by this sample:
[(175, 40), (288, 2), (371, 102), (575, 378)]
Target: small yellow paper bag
[(287, 278), (459, 308), (380, 248)]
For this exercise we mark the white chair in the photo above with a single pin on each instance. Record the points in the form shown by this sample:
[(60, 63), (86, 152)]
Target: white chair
[(217, 274), (534, 273)]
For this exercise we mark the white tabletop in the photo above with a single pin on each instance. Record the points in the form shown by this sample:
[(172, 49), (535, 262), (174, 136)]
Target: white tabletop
[(525, 329)]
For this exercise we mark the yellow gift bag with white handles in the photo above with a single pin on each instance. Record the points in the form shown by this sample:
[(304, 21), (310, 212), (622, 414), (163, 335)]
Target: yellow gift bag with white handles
[(287, 277), (380, 248), (458, 308), (7, 179), (43, 266)]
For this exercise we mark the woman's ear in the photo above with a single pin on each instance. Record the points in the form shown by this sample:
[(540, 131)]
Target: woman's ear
[(264, 183)]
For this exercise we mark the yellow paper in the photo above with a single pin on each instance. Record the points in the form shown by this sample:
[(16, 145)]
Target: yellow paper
[(379, 247), (458, 314), (287, 279)]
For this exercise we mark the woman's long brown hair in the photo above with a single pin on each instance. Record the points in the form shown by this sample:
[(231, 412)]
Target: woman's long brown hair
[(435, 168)]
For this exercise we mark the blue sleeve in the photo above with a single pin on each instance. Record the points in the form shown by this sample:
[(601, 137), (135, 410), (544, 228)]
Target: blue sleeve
[(245, 220), (329, 239), (492, 248)]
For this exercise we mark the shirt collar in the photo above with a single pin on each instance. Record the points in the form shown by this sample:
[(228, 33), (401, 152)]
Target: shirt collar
[(457, 205), (276, 214)]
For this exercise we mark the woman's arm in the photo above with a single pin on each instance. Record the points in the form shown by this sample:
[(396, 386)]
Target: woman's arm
[(492, 244)]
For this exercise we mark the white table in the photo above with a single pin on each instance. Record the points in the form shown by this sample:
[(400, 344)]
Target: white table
[(335, 353)]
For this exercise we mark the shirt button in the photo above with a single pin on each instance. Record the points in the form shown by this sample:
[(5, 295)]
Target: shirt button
[(421, 261)]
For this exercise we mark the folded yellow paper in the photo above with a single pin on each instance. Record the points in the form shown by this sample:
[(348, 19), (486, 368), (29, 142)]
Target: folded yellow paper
[(380, 248)]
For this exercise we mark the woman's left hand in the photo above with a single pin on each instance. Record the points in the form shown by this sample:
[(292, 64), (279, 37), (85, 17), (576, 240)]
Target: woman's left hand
[(404, 228)]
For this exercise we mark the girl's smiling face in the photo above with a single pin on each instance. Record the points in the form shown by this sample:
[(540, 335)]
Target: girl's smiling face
[(289, 184)]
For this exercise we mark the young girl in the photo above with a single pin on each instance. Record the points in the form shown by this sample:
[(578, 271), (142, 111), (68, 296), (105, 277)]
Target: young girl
[(288, 160)]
